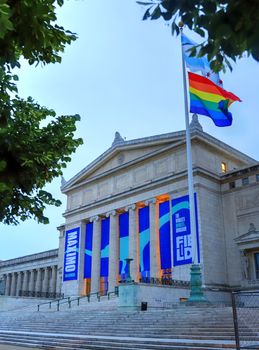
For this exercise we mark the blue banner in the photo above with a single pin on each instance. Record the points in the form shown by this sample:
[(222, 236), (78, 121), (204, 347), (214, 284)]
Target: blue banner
[(124, 244), (88, 250), (105, 234), (182, 242), (71, 254), (144, 242), (164, 237)]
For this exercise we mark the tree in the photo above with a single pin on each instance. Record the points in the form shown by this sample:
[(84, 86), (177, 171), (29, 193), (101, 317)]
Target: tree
[(32, 153), (231, 27)]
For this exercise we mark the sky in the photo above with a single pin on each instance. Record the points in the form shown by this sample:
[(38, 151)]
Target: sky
[(122, 74)]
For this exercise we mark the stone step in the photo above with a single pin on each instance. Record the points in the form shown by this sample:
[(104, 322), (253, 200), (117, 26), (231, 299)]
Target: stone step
[(128, 323), (118, 326), (101, 327), (146, 334), (48, 340), (158, 327)]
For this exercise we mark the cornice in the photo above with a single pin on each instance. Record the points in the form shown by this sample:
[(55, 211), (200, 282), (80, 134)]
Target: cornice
[(32, 257)]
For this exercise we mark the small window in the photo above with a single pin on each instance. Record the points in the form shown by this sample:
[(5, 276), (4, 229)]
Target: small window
[(223, 167), (245, 181), (257, 177), (232, 185), (257, 265)]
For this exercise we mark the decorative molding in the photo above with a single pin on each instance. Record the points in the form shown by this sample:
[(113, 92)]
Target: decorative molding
[(95, 218), (150, 201), (130, 207), (111, 213)]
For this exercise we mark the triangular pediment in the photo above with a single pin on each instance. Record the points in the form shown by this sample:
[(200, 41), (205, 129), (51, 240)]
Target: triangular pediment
[(251, 236), (124, 154)]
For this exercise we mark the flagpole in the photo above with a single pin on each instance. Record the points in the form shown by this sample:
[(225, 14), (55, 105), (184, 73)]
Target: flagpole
[(196, 294), (189, 161)]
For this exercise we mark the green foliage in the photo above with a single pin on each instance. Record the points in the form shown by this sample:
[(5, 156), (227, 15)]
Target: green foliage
[(28, 29), (35, 144), (231, 26)]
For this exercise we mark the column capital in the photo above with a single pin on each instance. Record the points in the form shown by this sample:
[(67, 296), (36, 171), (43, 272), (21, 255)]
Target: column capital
[(111, 213), (130, 207), (150, 201), (94, 218)]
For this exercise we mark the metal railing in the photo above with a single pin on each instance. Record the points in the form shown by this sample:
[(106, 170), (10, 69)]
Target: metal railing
[(50, 303), (165, 281), (70, 300), (47, 295), (246, 319), (115, 292)]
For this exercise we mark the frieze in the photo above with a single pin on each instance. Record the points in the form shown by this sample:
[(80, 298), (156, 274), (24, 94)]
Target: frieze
[(162, 166), (141, 174)]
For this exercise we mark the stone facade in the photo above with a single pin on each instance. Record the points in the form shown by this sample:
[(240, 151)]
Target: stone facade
[(145, 172), (33, 275)]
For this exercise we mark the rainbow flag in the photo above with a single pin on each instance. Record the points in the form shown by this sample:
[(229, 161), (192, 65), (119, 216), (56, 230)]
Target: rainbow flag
[(209, 99)]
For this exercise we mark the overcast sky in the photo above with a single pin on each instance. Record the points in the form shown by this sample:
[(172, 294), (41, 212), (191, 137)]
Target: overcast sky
[(122, 74)]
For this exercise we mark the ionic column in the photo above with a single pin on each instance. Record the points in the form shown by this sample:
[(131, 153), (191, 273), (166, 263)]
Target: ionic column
[(45, 282), (96, 255), (154, 271), (8, 284), (19, 283), (32, 281), (25, 281), (13, 284), (53, 281), (113, 250), (38, 283), (133, 242)]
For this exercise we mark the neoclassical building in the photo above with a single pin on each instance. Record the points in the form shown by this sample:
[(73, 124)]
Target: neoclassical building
[(132, 202), (33, 275)]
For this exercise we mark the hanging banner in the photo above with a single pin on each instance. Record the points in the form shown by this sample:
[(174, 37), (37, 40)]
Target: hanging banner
[(104, 270), (144, 242), (124, 244), (105, 233), (88, 250), (182, 241), (164, 238), (71, 254)]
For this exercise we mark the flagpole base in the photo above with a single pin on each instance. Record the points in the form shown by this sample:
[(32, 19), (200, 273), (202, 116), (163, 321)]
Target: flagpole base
[(196, 293)]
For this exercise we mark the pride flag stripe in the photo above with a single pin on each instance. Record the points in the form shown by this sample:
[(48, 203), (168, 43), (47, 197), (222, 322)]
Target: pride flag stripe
[(203, 84), (207, 98)]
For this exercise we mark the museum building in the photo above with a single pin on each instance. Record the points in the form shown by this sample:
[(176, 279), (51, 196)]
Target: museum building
[(132, 203)]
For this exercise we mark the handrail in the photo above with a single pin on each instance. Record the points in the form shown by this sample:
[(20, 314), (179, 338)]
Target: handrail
[(115, 292), (69, 300), (50, 302)]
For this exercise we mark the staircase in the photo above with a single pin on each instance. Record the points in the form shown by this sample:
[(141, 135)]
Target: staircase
[(102, 325), (16, 303)]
